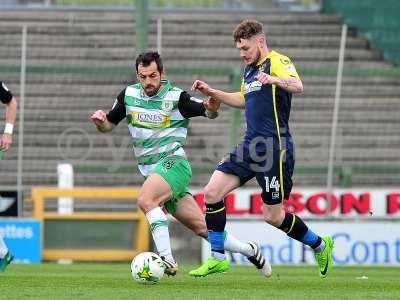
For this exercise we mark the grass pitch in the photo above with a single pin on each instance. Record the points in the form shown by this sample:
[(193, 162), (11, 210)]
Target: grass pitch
[(113, 281)]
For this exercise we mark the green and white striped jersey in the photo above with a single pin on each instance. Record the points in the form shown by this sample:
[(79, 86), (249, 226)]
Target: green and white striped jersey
[(157, 124)]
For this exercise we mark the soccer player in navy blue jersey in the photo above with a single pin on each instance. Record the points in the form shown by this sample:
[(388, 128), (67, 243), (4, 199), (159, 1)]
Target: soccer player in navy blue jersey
[(266, 152)]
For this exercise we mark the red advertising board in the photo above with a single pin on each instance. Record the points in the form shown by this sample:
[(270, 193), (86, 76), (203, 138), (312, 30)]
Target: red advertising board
[(316, 202)]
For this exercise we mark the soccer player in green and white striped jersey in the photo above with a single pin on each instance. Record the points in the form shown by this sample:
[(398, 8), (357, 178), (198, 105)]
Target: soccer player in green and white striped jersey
[(158, 116)]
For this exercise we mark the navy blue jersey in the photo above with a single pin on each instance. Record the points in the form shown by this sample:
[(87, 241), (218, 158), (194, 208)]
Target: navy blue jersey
[(267, 107)]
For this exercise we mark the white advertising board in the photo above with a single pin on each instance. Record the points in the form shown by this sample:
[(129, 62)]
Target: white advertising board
[(363, 243)]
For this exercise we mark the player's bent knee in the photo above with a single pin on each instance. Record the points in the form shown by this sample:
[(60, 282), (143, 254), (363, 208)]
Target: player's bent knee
[(145, 204), (273, 218), (211, 194)]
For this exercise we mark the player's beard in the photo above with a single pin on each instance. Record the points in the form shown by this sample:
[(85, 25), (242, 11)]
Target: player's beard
[(151, 90)]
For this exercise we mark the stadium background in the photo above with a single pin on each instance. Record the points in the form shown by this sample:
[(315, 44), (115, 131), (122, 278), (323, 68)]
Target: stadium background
[(64, 59)]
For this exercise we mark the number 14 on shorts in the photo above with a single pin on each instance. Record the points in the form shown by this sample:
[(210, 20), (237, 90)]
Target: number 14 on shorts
[(272, 184)]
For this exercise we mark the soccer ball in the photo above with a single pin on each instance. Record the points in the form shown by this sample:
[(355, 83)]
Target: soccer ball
[(147, 268)]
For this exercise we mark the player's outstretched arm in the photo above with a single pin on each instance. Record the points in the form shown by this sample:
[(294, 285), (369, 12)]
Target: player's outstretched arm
[(99, 118), (11, 113), (231, 99)]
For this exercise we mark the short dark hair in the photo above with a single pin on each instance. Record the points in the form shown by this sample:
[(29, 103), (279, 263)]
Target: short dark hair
[(247, 29), (146, 58)]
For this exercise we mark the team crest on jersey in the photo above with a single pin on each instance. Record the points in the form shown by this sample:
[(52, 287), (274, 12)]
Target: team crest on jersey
[(285, 60), (167, 105)]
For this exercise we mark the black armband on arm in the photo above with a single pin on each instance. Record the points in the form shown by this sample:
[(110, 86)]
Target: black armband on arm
[(118, 111), (190, 107)]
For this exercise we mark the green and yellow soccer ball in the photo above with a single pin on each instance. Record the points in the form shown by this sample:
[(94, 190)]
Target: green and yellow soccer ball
[(147, 268)]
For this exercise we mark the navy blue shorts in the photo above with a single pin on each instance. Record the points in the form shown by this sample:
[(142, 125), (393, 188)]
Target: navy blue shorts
[(273, 171)]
